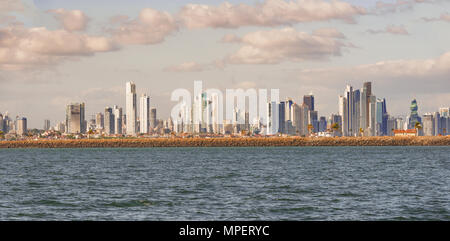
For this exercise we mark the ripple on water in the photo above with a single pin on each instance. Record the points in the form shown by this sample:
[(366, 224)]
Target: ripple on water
[(279, 183)]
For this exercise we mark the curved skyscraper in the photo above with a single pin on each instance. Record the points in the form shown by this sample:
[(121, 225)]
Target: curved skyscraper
[(414, 116)]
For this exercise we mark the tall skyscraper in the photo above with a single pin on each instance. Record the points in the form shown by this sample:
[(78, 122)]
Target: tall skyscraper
[(153, 120), (21, 126), (356, 112), (281, 117), (109, 121), (144, 114), (309, 101), (131, 108), (372, 115), (1, 123), (367, 89), (75, 121), (343, 112), (348, 94), (99, 121), (414, 116), (46, 125), (117, 111), (272, 118), (428, 124), (322, 124)]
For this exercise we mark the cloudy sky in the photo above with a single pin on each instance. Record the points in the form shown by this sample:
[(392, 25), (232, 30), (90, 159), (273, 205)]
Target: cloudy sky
[(53, 52)]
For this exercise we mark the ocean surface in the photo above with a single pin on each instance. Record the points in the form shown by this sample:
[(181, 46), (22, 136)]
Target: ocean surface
[(276, 183)]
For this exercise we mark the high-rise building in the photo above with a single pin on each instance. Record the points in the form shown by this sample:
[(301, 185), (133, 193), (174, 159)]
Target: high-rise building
[(281, 117), (272, 118), (372, 115), (381, 117), (61, 126), (367, 89), (356, 112), (309, 101), (21, 126), (75, 121), (428, 124), (109, 121), (322, 124), (131, 108), (117, 112), (1, 123), (343, 112), (313, 120), (414, 116), (99, 121), (444, 111), (348, 94), (437, 124), (46, 125), (336, 120), (144, 114), (300, 119), (153, 120)]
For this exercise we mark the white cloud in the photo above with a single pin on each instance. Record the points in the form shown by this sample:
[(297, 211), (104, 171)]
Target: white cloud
[(435, 69), (21, 47), (268, 13), (398, 5), (391, 29), (329, 32), (230, 38), (186, 67), (443, 17), (151, 27), (10, 6), (71, 20), (287, 44)]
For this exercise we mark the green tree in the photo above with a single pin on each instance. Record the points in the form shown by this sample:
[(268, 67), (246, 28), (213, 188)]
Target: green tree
[(418, 127)]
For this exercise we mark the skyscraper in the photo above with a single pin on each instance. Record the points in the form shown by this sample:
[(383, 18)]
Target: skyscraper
[(144, 114), (414, 116), (46, 125), (343, 112), (117, 111), (75, 121), (322, 124), (109, 121), (309, 101), (367, 89), (348, 94), (428, 124), (153, 119), (21, 126), (1, 123), (356, 111), (131, 108), (99, 121), (272, 118), (281, 117), (372, 115)]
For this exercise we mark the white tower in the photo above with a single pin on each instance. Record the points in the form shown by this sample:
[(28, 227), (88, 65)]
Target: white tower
[(131, 108)]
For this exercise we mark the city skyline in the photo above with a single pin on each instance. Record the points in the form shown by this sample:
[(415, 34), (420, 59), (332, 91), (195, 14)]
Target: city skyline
[(360, 113), (401, 47)]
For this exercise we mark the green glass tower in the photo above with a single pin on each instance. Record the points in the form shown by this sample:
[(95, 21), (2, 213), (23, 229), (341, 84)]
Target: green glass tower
[(414, 116)]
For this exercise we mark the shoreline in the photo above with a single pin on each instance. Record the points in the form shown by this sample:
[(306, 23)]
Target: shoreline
[(230, 142)]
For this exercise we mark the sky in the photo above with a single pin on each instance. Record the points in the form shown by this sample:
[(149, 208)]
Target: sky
[(54, 52)]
